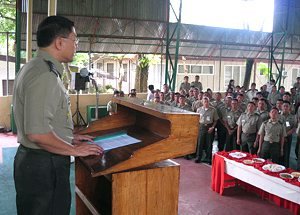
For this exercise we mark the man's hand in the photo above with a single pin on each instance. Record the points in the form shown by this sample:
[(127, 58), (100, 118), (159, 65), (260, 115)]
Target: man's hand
[(281, 152), (85, 149), (258, 152), (255, 144), (238, 142), (80, 137), (210, 130)]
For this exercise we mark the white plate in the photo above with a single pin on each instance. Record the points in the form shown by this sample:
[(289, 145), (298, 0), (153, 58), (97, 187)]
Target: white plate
[(296, 174), (258, 160), (286, 176), (273, 167), (237, 154), (299, 179)]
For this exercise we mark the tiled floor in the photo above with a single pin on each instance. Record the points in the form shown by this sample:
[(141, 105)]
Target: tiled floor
[(195, 196)]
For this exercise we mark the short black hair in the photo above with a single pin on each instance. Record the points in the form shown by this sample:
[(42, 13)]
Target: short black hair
[(52, 27), (151, 87)]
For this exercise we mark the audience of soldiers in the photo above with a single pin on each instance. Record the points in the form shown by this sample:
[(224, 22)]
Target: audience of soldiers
[(260, 122)]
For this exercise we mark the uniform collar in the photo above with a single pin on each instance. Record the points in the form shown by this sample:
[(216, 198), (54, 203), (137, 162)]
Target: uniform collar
[(46, 56), (270, 120)]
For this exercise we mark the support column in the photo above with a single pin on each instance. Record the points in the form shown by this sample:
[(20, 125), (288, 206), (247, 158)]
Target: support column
[(52, 5), (18, 35), (29, 31)]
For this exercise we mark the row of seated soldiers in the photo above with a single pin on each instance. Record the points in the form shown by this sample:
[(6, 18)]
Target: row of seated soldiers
[(255, 126)]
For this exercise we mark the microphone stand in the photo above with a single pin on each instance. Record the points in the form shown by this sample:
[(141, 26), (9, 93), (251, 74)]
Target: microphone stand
[(97, 97)]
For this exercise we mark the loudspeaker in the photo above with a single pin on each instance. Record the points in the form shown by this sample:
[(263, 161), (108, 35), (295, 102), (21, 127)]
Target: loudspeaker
[(80, 82)]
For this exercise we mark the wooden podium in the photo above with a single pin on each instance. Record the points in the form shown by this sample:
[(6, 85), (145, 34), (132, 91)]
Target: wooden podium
[(136, 179)]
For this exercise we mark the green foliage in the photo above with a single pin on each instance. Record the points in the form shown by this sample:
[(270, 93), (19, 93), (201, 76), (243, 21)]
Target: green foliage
[(7, 23), (81, 60), (109, 86), (144, 62), (263, 69)]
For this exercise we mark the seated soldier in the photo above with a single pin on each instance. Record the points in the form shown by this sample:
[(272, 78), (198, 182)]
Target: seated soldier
[(112, 106), (182, 104), (272, 134)]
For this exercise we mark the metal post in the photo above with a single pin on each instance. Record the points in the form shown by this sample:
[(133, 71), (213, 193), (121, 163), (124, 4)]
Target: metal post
[(171, 81), (18, 35), (29, 31), (52, 5), (7, 63)]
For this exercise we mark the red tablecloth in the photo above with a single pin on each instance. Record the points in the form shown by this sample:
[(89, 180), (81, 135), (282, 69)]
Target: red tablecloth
[(220, 180)]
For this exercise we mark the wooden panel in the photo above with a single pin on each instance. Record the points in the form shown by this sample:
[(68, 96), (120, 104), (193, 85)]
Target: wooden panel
[(97, 191), (150, 191), (129, 193), (164, 134)]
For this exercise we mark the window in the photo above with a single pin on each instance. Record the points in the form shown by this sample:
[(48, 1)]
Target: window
[(237, 73), (125, 70), (196, 69), (110, 70), (185, 67), (295, 74), (208, 70), (100, 66)]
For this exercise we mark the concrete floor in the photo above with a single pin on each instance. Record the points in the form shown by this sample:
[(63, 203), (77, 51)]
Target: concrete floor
[(195, 195)]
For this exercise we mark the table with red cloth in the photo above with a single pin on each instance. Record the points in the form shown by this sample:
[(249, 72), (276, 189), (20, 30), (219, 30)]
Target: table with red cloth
[(228, 171)]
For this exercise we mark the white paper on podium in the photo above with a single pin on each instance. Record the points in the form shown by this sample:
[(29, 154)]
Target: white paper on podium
[(115, 140)]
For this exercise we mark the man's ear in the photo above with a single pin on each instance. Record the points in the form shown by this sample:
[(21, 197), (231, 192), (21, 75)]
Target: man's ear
[(58, 43)]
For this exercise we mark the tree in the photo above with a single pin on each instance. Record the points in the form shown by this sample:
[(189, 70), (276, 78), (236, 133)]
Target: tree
[(141, 77), (7, 24)]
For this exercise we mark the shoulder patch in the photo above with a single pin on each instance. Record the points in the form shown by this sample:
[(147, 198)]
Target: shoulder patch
[(53, 69)]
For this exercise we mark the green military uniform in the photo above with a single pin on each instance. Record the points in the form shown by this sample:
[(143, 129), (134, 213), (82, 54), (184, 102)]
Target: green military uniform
[(184, 107), (273, 97), (290, 122), (198, 85), (221, 130), (190, 100), (250, 124), (207, 118), (231, 118), (264, 115), (272, 131), (242, 107), (196, 104), (41, 105), (167, 96), (185, 86)]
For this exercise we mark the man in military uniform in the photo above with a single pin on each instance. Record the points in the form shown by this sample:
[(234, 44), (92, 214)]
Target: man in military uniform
[(182, 104), (221, 129), (166, 92), (44, 122), (272, 134), (241, 103), (261, 110), (290, 122), (112, 106), (185, 85), (248, 126), (197, 83), (273, 96), (208, 121), (230, 119), (198, 103)]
